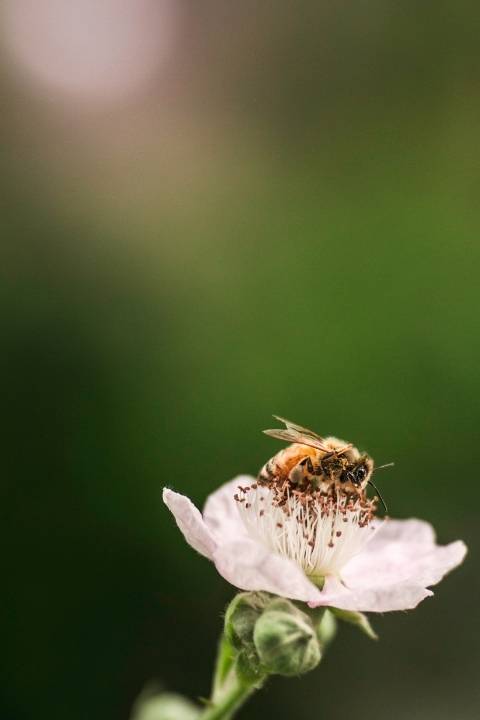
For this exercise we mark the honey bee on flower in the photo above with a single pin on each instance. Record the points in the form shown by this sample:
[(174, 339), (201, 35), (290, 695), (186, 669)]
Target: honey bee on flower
[(317, 464), (305, 529), (315, 494)]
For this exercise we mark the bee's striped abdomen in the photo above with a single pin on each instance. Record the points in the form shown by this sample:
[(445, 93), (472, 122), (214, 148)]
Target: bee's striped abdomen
[(268, 471), (280, 465)]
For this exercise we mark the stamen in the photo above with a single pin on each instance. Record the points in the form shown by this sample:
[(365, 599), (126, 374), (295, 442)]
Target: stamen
[(319, 531)]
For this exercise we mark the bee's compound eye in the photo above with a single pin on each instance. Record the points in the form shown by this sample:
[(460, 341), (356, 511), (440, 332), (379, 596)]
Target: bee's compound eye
[(360, 474), (347, 476)]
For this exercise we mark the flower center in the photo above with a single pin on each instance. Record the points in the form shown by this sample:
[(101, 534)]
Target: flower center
[(321, 532)]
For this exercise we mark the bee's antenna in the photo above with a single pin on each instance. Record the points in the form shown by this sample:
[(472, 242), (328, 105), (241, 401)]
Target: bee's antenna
[(378, 493), (380, 467)]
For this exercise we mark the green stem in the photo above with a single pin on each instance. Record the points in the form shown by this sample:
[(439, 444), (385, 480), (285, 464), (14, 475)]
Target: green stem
[(230, 689), (229, 702), (225, 660)]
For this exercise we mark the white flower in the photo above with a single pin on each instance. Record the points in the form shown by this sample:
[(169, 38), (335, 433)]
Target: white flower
[(260, 541)]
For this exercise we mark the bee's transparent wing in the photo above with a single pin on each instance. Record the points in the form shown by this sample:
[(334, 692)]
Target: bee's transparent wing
[(297, 433), (291, 435), (303, 430)]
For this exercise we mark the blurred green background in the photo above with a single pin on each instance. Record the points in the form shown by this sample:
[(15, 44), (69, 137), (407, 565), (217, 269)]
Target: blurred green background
[(278, 211)]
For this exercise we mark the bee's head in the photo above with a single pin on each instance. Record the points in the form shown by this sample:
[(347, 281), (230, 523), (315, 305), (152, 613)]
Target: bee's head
[(359, 473)]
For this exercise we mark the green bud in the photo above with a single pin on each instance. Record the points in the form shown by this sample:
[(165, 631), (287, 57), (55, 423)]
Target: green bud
[(248, 666), (167, 706), (285, 639), (358, 619), (241, 616)]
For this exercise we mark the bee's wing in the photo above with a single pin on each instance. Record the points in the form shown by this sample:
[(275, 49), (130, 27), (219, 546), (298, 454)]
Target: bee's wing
[(298, 428), (292, 435)]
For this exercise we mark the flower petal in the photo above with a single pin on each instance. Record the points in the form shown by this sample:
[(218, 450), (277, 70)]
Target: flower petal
[(411, 530), (403, 551), (380, 598), (221, 512), (190, 522), (248, 565), (394, 569)]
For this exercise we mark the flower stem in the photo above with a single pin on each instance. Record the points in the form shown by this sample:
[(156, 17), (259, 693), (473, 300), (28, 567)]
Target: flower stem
[(230, 688), (224, 664), (233, 697)]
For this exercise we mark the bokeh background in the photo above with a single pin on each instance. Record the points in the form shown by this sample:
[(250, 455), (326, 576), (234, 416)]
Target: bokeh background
[(212, 212)]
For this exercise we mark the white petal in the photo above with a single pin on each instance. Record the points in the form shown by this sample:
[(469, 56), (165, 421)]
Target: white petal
[(394, 569), (250, 566), (383, 598), (411, 530), (403, 551), (190, 522), (221, 512)]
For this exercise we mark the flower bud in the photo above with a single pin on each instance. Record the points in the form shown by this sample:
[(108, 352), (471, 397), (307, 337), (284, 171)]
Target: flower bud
[(249, 668), (285, 640), (241, 616), (166, 706)]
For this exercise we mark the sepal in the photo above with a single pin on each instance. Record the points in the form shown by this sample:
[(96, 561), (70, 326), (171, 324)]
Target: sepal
[(325, 625), (357, 619)]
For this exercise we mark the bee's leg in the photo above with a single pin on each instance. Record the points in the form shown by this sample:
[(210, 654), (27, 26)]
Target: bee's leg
[(296, 474), (307, 462)]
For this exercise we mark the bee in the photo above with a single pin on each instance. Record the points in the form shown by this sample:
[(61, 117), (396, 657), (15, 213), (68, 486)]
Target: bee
[(323, 464)]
